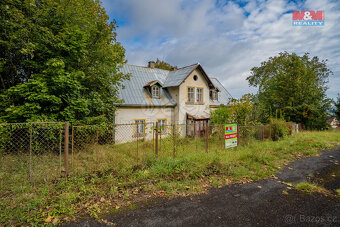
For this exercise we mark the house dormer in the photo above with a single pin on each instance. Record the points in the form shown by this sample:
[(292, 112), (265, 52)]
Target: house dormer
[(154, 89)]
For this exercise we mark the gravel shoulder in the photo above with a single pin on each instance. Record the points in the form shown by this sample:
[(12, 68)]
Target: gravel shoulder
[(268, 202)]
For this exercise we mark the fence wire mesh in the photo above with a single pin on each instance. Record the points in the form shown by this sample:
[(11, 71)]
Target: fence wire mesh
[(33, 153)]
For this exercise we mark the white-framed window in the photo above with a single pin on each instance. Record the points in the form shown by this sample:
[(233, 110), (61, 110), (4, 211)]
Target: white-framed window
[(162, 125), (139, 127), (155, 91), (199, 95), (191, 94)]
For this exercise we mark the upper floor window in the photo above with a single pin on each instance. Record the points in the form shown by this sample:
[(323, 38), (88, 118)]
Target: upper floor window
[(155, 91), (191, 94), (199, 95), (214, 95)]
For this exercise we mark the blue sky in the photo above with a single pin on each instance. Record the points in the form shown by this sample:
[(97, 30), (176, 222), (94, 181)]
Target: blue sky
[(227, 37)]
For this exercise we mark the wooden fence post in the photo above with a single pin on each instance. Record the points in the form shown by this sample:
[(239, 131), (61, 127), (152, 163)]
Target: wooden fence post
[(66, 144), (262, 132), (156, 142)]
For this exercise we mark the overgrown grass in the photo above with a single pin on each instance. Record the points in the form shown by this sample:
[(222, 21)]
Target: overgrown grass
[(311, 188), (108, 178)]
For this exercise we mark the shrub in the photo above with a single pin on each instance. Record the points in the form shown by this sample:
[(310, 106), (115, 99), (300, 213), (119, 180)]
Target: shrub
[(280, 128)]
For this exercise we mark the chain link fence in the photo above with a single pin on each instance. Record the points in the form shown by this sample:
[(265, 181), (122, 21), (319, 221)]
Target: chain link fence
[(31, 153), (35, 153)]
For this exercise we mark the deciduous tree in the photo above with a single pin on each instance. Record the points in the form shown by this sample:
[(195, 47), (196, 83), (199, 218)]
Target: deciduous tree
[(59, 60), (295, 86)]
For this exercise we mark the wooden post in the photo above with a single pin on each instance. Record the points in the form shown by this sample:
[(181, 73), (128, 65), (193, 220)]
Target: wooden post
[(156, 142), (206, 136), (238, 135), (262, 132), (174, 135), (66, 143)]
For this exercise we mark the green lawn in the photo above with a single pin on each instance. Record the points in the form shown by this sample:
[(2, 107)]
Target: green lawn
[(109, 178)]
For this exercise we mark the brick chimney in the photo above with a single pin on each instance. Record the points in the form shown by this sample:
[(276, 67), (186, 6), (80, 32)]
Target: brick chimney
[(151, 64)]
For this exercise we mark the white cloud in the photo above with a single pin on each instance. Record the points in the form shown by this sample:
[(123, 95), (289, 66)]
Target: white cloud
[(228, 39)]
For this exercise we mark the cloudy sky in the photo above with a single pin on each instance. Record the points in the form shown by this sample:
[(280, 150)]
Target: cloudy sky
[(227, 37)]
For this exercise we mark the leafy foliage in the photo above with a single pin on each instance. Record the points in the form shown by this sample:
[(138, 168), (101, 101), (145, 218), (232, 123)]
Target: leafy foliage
[(337, 108), (294, 86), (240, 111), (59, 61), (164, 65)]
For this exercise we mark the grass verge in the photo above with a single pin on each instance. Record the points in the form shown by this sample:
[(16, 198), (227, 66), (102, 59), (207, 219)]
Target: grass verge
[(119, 183), (311, 188)]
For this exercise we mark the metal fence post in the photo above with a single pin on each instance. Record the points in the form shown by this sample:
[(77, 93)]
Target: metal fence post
[(238, 135), (97, 136), (30, 130), (174, 138), (206, 136), (66, 144), (137, 142), (60, 138), (72, 148), (156, 142)]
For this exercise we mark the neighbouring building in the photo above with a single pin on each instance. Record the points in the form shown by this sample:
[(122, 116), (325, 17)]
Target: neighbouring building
[(333, 121), (184, 96)]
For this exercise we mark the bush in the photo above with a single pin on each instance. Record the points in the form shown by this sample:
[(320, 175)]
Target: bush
[(280, 128)]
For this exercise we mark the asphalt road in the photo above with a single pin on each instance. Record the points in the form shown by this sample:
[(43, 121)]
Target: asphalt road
[(260, 203)]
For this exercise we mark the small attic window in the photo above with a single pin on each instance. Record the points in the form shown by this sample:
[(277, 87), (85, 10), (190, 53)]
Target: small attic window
[(195, 77), (155, 91)]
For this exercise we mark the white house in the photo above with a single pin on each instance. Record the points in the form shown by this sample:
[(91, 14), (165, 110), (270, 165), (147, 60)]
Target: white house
[(183, 96)]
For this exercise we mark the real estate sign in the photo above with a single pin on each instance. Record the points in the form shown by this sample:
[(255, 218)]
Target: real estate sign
[(230, 135)]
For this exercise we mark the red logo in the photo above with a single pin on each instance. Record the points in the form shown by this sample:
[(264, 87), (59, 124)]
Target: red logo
[(308, 15)]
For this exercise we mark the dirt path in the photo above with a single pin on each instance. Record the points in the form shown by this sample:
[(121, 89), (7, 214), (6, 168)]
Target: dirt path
[(260, 203)]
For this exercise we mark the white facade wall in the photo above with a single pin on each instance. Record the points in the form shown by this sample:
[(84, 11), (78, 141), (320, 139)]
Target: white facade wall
[(193, 109), (125, 117)]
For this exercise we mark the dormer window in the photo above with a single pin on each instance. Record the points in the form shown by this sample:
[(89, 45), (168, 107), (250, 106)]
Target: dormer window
[(155, 91)]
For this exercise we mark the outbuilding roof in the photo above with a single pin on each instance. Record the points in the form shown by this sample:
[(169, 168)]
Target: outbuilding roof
[(224, 96), (133, 92)]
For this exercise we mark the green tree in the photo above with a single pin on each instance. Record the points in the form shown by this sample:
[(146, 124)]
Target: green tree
[(164, 65), (337, 108), (293, 87), (59, 61), (240, 111)]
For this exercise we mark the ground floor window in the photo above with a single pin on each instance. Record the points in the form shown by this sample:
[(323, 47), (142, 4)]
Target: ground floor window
[(139, 127), (162, 125)]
